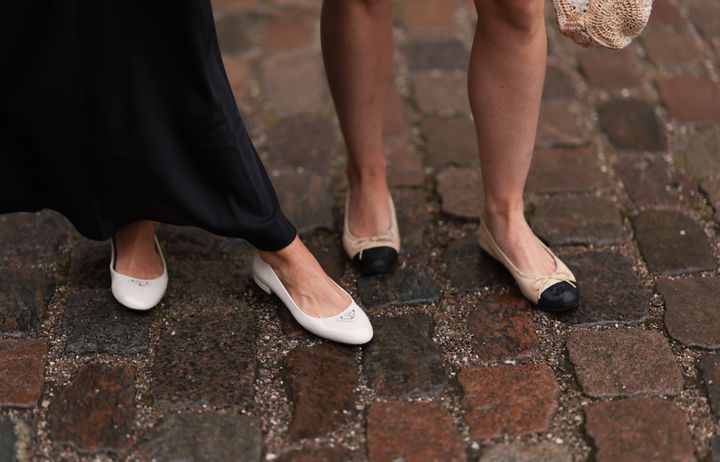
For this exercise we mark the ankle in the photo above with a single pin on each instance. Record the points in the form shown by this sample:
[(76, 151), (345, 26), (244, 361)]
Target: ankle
[(285, 256), (367, 177)]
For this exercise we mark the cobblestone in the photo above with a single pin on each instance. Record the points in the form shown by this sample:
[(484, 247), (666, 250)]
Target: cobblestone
[(461, 192), (400, 287), (691, 99), (543, 452), (32, 238), (699, 149), (471, 269), (610, 70), (710, 366), (691, 307), (22, 363), (451, 141), (647, 180), (8, 439), (632, 125), (446, 55), (564, 170), (24, 295)]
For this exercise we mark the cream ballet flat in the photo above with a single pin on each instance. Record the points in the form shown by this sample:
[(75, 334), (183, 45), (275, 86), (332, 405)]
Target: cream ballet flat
[(375, 254), (351, 326), (556, 291), (134, 293)]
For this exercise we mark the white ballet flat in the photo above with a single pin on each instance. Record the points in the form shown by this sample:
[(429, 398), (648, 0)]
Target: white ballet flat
[(135, 293), (351, 326)]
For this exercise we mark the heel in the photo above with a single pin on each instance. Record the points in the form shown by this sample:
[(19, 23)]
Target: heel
[(265, 288)]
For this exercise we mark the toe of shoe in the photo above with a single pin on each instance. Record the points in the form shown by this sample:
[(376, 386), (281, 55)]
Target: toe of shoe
[(376, 260), (562, 296), (134, 298)]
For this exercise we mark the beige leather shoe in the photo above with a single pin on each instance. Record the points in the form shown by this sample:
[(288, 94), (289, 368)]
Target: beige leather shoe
[(375, 254), (556, 291)]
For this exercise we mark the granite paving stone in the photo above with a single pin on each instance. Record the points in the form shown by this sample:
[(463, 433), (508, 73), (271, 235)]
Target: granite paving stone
[(402, 286), (471, 269), (672, 243), (314, 454), (190, 243), (580, 220), (565, 170), (710, 367), (24, 295), (636, 429), (691, 99), (559, 84), (412, 431), (438, 92), (632, 125), (411, 208), (95, 323), (610, 69), (451, 141), (282, 70), (204, 437), (691, 310), (461, 192), (204, 279), (699, 149), (624, 362), (560, 125), (327, 249), (8, 440), (610, 291), (95, 411), (514, 452), (403, 361), (301, 141), (442, 54), (508, 400), (647, 179), (22, 371), (208, 357), (502, 328), (32, 238), (321, 386), (89, 262), (711, 188), (306, 199)]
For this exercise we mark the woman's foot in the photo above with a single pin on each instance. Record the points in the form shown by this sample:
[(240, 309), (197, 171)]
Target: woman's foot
[(312, 290), (369, 209), (135, 251), (518, 241)]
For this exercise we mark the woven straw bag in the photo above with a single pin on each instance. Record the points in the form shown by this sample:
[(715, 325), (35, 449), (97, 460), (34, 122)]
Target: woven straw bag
[(604, 23)]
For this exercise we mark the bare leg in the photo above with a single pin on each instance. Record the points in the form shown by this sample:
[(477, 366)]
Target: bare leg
[(306, 282), (506, 75), (135, 251), (357, 46)]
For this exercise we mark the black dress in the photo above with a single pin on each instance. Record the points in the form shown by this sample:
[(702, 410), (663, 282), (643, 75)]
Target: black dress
[(114, 111)]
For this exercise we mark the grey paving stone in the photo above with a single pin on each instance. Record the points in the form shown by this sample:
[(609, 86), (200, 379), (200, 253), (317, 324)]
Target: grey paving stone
[(471, 269), (402, 286), (196, 244), (208, 357), (8, 440), (610, 291), (317, 453), (699, 149), (24, 295), (624, 362), (411, 207), (321, 382), (672, 243), (95, 323), (461, 192), (204, 438), (580, 220), (307, 200), (451, 141), (203, 280), (402, 361), (443, 54), (558, 84), (715, 448), (89, 265), (565, 170), (710, 367), (515, 452), (632, 125), (32, 238), (711, 188), (560, 124), (691, 310), (301, 141), (647, 179)]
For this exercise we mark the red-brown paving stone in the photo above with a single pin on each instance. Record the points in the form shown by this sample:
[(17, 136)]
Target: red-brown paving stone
[(578, 220), (565, 170), (321, 381), (95, 411), (665, 14), (461, 192), (624, 362), (635, 429), (560, 124), (647, 179), (451, 141), (239, 76), (710, 366), (32, 238), (502, 328), (508, 400), (429, 17), (558, 84), (669, 48), (610, 69), (441, 92), (672, 243), (691, 99), (24, 295), (691, 310), (412, 432), (290, 28), (699, 149), (631, 124), (316, 454), (706, 16), (22, 370), (282, 70)]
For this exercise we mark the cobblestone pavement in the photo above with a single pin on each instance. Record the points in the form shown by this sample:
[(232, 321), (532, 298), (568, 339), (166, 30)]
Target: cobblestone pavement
[(624, 184)]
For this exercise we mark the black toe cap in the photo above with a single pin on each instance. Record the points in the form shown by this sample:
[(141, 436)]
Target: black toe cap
[(559, 297), (376, 260)]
